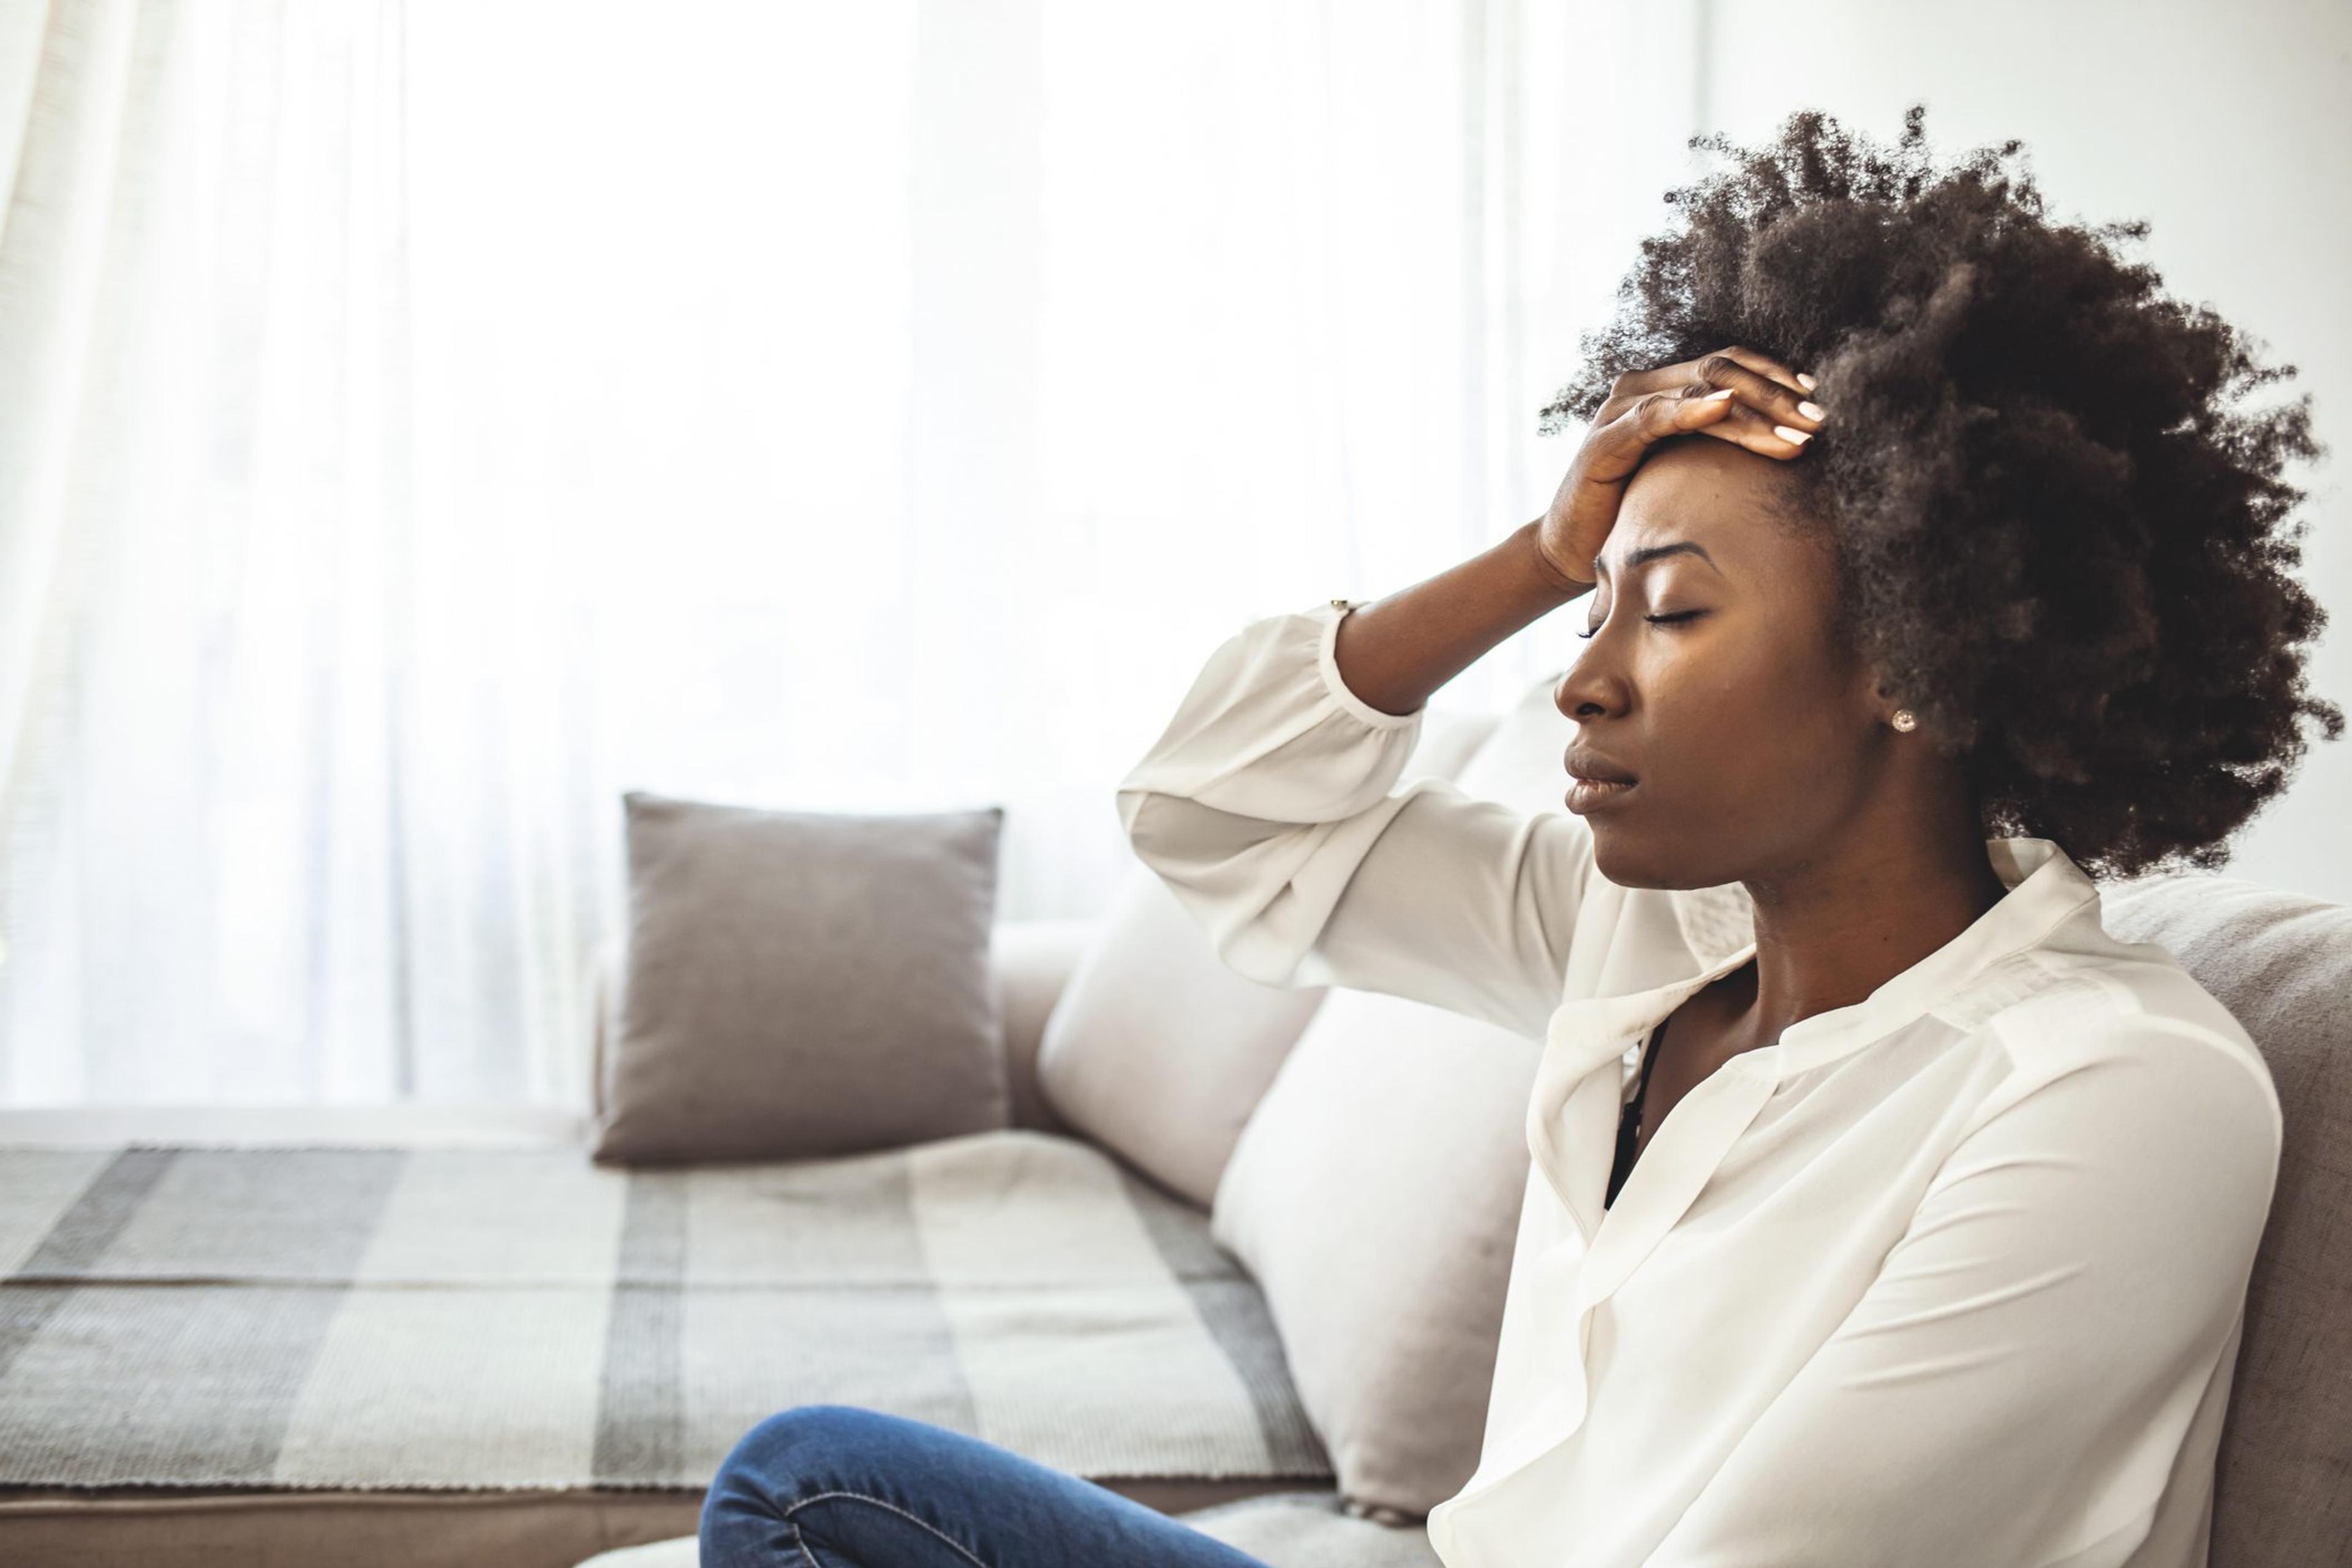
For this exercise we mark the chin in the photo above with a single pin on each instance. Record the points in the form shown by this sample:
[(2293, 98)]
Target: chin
[(1634, 859)]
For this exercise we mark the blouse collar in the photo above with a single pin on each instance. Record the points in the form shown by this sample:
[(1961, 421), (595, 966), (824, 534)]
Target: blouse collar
[(1573, 1106), (2046, 889)]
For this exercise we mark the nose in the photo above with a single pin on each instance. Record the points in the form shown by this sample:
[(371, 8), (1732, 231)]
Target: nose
[(1585, 691)]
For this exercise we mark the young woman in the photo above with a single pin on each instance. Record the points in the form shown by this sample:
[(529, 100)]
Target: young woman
[(1884, 1209)]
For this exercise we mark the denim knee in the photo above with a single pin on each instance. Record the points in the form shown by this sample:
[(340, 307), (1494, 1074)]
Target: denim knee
[(806, 1447)]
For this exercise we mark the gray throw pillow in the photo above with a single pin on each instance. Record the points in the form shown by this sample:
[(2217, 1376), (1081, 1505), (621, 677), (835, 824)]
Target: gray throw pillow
[(802, 983)]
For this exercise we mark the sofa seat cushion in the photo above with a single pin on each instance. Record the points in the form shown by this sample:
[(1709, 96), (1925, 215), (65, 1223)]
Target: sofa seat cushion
[(1314, 1529), (388, 1318), (196, 1528), (1289, 1529)]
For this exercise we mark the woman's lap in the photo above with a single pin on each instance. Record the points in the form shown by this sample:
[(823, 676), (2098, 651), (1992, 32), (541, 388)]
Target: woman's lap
[(834, 1486)]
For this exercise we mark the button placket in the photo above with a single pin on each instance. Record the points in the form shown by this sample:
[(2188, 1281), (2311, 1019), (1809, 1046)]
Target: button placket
[(1685, 1151)]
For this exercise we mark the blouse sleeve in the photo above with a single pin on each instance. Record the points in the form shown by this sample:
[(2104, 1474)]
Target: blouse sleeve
[(1269, 806), (2015, 1385)]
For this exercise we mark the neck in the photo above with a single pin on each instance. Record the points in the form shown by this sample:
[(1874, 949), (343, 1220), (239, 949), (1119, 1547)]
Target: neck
[(1830, 933)]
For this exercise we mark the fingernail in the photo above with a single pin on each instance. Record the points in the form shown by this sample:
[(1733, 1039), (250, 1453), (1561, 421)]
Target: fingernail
[(1799, 437), (1813, 411), (1716, 396), (1806, 382)]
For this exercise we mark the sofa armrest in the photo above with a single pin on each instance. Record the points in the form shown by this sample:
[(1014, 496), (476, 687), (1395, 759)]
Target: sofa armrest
[(1032, 962), (603, 992)]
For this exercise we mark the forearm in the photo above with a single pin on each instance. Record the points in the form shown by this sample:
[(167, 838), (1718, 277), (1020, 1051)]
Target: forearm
[(1393, 652)]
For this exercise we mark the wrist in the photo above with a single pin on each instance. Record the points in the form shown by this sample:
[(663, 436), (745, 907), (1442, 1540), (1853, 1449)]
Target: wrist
[(1561, 583)]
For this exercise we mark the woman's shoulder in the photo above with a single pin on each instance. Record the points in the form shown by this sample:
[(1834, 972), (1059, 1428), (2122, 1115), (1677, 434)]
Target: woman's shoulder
[(2109, 1007)]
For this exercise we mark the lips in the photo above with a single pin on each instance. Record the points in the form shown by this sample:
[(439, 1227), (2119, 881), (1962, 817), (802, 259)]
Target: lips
[(1595, 781), (1594, 794), (1591, 766)]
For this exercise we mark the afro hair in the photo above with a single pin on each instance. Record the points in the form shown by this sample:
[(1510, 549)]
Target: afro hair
[(2061, 537)]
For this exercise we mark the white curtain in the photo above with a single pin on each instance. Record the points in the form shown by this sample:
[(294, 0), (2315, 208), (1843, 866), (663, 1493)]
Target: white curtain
[(421, 420)]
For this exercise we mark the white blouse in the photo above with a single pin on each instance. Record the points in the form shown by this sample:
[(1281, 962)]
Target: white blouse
[(1948, 1278)]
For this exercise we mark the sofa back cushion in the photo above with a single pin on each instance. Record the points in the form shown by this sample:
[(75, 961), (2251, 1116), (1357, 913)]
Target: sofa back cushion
[(1157, 1051), (1375, 1194), (2282, 965)]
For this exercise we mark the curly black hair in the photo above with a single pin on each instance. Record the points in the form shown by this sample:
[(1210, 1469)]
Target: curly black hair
[(2061, 537)]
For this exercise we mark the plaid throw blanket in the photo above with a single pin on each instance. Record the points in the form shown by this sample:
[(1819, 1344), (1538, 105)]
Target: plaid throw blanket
[(376, 1318)]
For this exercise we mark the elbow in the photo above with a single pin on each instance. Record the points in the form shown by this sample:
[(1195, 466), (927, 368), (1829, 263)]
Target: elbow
[(1147, 830), (1130, 804), (1168, 833), (1220, 896)]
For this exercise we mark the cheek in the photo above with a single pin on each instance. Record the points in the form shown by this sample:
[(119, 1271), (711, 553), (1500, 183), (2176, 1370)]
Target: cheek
[(1751, 735)]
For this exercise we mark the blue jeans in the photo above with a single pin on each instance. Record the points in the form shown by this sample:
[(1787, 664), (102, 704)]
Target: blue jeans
[(834, 1486)]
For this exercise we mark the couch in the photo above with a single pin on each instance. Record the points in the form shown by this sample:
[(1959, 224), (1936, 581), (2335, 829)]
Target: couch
[(444, 1336)]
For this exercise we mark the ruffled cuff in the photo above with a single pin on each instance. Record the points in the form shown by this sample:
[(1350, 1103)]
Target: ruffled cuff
[(1330, 615), (1269, 731)]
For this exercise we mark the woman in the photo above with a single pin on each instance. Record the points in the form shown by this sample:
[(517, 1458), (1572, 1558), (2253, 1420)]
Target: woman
[(1933, 568)]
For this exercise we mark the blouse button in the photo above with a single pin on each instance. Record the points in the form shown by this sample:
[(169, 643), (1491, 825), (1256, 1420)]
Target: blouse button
[(1341, 603)]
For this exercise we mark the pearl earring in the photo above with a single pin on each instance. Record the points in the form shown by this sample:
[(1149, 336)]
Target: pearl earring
[(1904, 720)]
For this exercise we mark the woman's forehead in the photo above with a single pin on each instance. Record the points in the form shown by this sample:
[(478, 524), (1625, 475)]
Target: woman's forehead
[(1708, 493)]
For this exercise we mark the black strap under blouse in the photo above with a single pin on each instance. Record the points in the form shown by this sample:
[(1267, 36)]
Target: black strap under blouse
[(1629, 1120)]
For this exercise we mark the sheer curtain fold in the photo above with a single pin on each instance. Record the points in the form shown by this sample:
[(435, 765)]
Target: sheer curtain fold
[(419, 423)]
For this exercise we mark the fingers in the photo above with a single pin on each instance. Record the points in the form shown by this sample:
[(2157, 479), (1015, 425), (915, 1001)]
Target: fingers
[(1694, 410), (1759, 433), (1776, 416), (1769, 409), (1765, 365), (1712, 369), (1617, 448)]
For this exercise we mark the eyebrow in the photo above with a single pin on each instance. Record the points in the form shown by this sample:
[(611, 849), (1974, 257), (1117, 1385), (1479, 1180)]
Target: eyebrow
[(1652, 552)]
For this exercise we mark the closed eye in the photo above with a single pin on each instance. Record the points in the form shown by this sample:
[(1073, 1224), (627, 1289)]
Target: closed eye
[(1678, 615)]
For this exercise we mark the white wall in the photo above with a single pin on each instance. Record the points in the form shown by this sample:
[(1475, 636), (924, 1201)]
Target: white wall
[(2226, 126)]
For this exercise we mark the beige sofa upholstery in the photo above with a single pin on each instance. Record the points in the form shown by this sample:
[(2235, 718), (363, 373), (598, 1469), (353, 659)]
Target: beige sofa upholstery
[(2282, 965)]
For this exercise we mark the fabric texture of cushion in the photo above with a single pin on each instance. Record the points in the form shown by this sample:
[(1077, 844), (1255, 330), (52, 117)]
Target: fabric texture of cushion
[(2282, 965), (496, 1320), (1034, 961), (800, 982), (1159, 1052), (1313, 1530), (1374, 1195)]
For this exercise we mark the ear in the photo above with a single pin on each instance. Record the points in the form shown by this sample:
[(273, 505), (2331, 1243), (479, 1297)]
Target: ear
[(1874, 699)]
